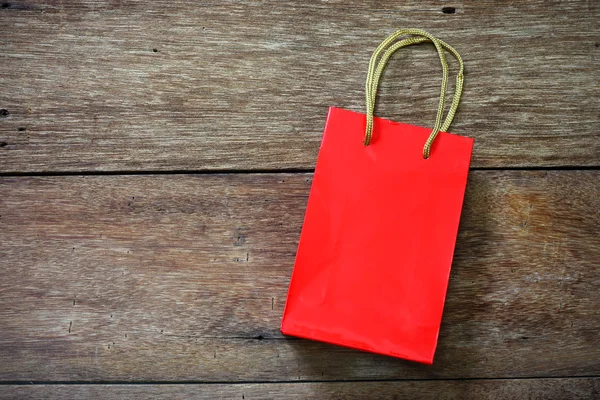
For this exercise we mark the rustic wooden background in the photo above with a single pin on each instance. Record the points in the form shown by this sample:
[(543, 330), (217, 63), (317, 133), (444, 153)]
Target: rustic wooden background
[(155, 163)]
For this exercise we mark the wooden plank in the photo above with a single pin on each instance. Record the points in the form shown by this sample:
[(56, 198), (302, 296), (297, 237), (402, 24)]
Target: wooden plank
[(176, 85), (184, 277), (547, 389)]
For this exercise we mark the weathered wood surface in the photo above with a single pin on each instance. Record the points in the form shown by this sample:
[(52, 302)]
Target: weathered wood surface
[(177, 85), (184, 278), (546, 389)]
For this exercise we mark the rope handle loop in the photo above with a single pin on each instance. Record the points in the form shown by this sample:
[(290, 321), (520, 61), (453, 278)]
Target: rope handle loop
[(378, 63)]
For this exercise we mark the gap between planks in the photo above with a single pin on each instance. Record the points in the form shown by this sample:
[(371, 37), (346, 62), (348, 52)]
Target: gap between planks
[(309, 381), (260, 171)]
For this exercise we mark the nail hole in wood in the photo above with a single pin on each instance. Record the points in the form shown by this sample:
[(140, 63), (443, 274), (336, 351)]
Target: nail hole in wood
[(449, 10)]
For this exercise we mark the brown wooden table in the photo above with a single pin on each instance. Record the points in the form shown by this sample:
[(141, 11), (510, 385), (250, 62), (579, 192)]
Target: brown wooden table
[(156, 158)]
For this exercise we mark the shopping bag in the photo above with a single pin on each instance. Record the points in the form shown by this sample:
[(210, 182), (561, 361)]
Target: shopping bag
[(376, 247)]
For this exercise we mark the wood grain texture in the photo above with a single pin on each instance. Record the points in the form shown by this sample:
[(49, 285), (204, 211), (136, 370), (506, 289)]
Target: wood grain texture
[(184, 278), (175, 85), (546, 389)]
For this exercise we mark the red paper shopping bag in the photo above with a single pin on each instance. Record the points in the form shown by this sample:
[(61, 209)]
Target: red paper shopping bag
[(378, 238)]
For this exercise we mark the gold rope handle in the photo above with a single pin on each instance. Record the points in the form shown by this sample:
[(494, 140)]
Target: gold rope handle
[(415, 40), (376, 69)]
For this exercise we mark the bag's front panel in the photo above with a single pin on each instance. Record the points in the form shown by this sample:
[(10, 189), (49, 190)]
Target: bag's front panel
[(377, 243)]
